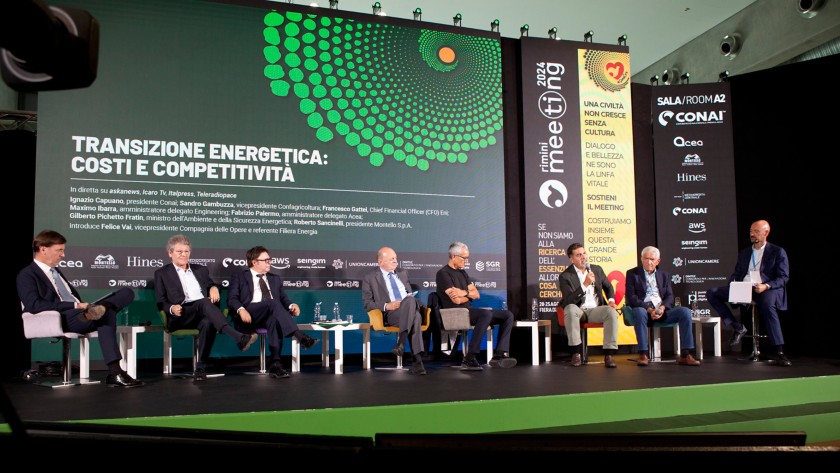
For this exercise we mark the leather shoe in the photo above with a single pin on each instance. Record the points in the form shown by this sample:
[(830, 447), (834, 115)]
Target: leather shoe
[(418, 369), (502, 361), (277, 371), (398, 350), (122, 379), (643, 360), (246, 340), (576, 360), (609, 361), (94, 312), (782, 360), (199, 375), (306, 341), (737, 336), (687, 360)]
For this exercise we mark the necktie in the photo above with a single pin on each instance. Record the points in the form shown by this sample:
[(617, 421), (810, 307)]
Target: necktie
[(394, 287), (266, 294), (63, 292)]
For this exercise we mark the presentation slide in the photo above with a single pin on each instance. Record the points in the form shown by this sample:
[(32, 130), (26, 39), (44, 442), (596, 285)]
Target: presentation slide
[(319, 134)]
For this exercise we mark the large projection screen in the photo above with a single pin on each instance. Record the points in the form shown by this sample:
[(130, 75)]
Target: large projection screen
[(319, 134)]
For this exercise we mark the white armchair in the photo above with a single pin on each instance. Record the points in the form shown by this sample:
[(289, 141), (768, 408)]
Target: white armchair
[(47, 324)]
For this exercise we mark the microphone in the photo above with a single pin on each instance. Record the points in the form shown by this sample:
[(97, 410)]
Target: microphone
[(588, 268)]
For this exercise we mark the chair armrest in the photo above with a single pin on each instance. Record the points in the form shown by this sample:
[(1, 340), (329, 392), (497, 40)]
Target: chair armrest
[(427, 317), (42, 324)]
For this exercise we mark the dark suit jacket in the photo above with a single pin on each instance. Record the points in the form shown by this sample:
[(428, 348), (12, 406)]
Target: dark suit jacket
[(241, 290), (168, 290), (375, 289), (37, 292), (635, 287), (774, 270), (573, 291)]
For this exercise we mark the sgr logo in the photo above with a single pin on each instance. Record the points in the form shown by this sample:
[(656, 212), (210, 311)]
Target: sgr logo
[(553, 194)]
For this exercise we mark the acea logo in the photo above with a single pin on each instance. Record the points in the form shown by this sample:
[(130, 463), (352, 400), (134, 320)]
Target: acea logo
[(553, 194)]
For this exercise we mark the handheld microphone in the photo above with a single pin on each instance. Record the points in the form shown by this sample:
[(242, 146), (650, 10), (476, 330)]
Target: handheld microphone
[(588, 268)]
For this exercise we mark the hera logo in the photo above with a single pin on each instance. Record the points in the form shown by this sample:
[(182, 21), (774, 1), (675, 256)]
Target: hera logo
[(553, 194)]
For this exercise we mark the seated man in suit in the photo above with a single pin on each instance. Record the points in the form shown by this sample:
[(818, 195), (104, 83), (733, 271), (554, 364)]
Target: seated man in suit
[(766, 266), (186, 293), (257, 299), (456, 289), (387, 289), (41, 286), (649, 294)]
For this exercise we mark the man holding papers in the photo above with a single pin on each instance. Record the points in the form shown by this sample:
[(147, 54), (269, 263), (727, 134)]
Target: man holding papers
[(766, 267), (387, 288)]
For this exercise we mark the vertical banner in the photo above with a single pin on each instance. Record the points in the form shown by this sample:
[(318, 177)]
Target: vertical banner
[(695, 188), (577, 165)]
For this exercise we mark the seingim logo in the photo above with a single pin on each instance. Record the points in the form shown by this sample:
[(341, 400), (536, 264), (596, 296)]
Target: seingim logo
[(553, 194), (665, 117)]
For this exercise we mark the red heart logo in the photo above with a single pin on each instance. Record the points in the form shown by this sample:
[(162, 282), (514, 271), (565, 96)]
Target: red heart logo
[(617, 67), (618, 278)]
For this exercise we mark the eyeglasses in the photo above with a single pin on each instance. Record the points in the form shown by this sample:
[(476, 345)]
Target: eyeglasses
[(264, 260), (463, 257)]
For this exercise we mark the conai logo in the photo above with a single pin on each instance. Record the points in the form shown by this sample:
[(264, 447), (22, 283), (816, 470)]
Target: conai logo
[(688, 210)]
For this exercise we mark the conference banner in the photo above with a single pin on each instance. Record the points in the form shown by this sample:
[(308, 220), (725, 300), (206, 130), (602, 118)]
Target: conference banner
[(695, 188), (319, 134), (578, 166)]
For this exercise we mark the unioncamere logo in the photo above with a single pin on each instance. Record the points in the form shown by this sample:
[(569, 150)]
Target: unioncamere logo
[(410, 95)]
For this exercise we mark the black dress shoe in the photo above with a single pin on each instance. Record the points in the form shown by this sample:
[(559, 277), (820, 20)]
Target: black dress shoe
[(398, 349), (277, 372), (246, 340), (576, 360), (122, 379), (782, 360), (737, 336), (199, 375), (418, 369), (306, 341)]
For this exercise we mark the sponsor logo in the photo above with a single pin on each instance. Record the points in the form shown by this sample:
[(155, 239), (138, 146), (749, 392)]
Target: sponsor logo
[(681, 142), (70, 264), (692, 159), (295, 283), (553, 194), (690, 196), (349, 284), (104, 262), (677, 262), (79, 282), (676, 279), (338, 264), (687, 177), (697, 227), (430, 284), (138, 262), (488, 266), (127, 283), (311, 263), (694, 244), (691, 118), (689, 210), (486, 285), (228, 262)]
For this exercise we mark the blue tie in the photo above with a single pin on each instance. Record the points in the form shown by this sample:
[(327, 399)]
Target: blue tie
[(63, 292), (395, 288)]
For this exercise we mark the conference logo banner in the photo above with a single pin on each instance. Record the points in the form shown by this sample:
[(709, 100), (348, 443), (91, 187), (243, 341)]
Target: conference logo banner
[(695, 188), (578, 163)]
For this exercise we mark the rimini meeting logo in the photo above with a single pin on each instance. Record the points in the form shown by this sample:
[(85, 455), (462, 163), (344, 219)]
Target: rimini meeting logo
[(553, 194), (609, 70)]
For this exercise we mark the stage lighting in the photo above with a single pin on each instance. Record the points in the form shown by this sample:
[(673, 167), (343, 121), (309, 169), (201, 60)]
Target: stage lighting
[(552, 33), (587, 37), (494, 26), (523, 30), (377, 8), (622, 40), (670, 76), (456, 20), (418, 14), (334, 4), (729, 46), (684, 77), (723, 76), (809, 8), (654, 80)]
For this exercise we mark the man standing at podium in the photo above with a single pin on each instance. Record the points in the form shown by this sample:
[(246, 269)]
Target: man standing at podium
[(766, 266)]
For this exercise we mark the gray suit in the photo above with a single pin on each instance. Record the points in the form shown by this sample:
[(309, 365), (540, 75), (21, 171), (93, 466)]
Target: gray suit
[(375, 295)]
